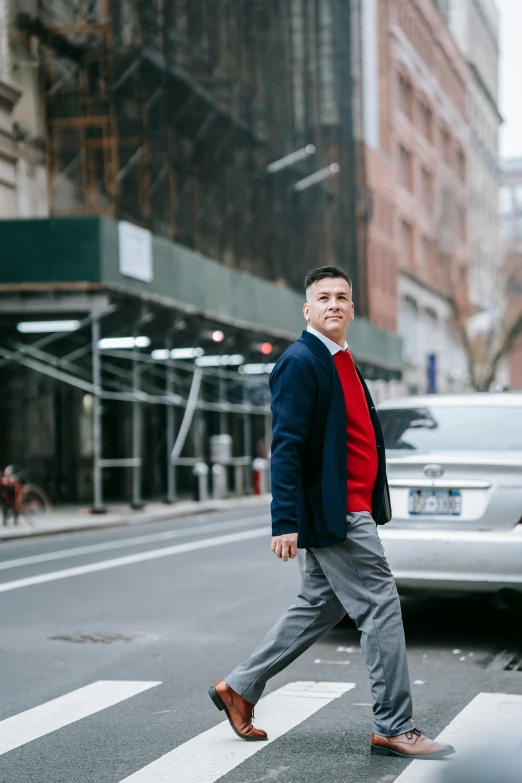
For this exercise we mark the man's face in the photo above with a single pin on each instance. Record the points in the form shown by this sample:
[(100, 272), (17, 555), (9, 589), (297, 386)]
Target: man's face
[(329, 308)]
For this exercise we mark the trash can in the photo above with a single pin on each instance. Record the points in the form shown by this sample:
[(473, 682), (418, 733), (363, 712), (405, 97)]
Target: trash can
[(220, 448), (260, 476)]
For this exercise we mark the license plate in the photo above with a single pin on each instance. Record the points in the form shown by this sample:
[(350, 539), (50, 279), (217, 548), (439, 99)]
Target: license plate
[(438, 502)]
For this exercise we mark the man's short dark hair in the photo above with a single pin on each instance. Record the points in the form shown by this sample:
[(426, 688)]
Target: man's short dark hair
[(323, 272)]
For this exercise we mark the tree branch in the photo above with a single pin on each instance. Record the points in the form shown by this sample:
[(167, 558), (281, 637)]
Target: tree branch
[(466, 342), (510, 337)]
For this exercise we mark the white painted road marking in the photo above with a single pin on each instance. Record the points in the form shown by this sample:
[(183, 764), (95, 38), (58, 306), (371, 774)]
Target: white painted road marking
[(122, 543), (39, 721), (209, 756), (490, 719), (138, 558)]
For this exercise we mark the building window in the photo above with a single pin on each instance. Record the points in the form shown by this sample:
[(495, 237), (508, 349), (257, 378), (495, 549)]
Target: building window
[(445, 145), (409, 323), (514, 286), (427, 189), (431, 318), (426, 250), (405, 97), (425, 120), (388, 275), (405, 169), (518, 198), (406, 244), (504, 201), (461, 164), (428, 324)]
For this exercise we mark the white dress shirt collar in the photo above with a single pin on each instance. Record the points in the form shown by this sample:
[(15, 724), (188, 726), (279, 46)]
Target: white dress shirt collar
[(332, 347)]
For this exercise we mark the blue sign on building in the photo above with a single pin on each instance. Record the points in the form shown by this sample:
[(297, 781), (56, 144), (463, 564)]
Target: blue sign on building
[(432, 373)]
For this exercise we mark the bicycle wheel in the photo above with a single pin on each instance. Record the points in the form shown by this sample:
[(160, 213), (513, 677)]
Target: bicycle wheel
[(34, 503)]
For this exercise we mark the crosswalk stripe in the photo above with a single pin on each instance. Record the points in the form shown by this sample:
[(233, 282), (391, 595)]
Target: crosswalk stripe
[(214, 753), (52, 715), (490, 719), (130, 559)]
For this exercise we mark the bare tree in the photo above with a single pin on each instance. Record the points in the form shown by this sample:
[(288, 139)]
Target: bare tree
[(489, 334), (487, 339), (486, 310)]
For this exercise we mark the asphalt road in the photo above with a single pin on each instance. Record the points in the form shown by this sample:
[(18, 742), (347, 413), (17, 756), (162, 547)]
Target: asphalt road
[(170, 608)]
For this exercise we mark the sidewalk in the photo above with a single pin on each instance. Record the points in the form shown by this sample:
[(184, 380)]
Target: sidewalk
[(67, 519)]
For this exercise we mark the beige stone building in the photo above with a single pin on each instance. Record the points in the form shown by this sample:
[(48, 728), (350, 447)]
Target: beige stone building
[(475, 26), (23, 186)]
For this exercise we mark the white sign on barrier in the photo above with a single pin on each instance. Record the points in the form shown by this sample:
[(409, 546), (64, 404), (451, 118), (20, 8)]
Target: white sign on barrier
[(135, 252)]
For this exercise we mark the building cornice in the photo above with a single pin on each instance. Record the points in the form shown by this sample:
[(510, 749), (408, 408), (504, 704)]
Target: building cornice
[(480, 81), (487, 24)]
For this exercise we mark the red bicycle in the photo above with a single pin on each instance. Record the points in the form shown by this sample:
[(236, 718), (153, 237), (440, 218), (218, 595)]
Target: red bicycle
[(19, 499)]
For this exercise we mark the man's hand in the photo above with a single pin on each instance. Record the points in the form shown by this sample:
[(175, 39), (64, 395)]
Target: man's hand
[(285, 546)]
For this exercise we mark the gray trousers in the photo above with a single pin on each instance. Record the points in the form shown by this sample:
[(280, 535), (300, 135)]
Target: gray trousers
[(352, 577)]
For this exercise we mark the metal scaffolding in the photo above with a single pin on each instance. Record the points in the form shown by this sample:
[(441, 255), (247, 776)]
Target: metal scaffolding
[(167, 113), (134, 378)]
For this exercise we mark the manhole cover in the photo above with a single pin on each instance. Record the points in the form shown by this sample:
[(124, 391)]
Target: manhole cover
[(506, 660), (515, 663), (100, 638)]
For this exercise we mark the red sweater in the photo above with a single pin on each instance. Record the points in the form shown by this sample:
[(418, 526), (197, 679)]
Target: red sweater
[(361, 448)]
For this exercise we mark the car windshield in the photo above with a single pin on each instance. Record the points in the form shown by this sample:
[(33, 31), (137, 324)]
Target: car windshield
[(455, 428)]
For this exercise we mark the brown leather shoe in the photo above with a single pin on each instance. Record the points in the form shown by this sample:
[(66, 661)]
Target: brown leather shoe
[(412, 745), (239, 712)]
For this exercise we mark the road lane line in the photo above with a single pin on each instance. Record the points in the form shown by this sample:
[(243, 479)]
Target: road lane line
[(60, 554), (490, 720), (154, 554), (214, 753), (74, 706)]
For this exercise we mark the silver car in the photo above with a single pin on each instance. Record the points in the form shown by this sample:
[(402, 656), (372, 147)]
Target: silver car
[(455, 473)]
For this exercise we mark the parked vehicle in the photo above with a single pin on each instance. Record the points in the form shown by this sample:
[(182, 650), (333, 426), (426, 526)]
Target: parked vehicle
[(455, 475)]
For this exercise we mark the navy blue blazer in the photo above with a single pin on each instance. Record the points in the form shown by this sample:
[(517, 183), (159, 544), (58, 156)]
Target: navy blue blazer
[(308, 462)]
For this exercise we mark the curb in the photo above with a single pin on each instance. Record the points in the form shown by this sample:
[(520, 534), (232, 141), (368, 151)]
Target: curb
[(128, 521)]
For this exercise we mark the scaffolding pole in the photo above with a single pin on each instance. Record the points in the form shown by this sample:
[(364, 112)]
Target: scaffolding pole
[(96, 420), (136, 435), (223, 415), (171, 428), (247, 444)]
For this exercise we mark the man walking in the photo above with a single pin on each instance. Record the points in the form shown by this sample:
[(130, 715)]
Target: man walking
[(329, 490)]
